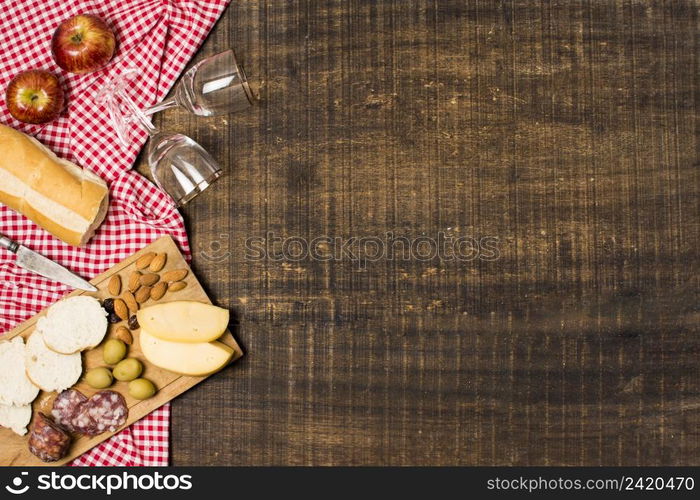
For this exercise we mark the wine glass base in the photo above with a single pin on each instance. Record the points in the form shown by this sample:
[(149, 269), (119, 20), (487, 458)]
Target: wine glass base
[(203, 185)]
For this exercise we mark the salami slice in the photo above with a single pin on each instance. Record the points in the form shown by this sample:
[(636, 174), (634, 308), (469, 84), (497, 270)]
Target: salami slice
[(82, 423), (48, 441), (104, 411), (66, 406)]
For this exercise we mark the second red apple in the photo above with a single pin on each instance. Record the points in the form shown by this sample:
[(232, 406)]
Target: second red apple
[(34, 96)]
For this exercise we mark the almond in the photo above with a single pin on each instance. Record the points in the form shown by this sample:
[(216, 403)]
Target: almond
[(115, 285), (143, 294), (149, 279), (175, 275), (120, 309), (159, 290), (158, 262), (130, 302), (124, 335), (145, 260), (177, 286), (134, 281)]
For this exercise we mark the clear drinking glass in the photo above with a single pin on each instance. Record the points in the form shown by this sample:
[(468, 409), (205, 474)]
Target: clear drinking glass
[(180, 166), (216, 85)]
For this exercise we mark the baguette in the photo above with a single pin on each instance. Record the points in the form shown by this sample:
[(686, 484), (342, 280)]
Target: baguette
[(48, 369), (73, 325), (64, 199), (15, 417), (15, 387)]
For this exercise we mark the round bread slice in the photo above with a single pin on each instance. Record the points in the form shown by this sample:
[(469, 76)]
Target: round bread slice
[(15, 388), (15, 417), (50, 370), (74, 324)]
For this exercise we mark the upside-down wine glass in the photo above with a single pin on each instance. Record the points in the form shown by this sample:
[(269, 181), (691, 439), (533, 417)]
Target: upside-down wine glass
[(180, 166)]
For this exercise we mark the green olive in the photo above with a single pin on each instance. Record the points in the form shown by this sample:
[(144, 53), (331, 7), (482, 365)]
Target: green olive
[(113, 351), (128, 369), (141, 388), (99, 378)]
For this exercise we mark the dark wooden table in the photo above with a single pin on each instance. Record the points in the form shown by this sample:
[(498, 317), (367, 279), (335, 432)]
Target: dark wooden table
[(562, 134)]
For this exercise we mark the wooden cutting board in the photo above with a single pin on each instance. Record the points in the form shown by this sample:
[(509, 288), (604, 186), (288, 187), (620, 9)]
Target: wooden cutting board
[(14, 449)]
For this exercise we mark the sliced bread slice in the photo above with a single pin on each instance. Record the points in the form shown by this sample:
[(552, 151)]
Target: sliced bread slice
[(50, 370), (74, 324), (15, 417), (15, 387)]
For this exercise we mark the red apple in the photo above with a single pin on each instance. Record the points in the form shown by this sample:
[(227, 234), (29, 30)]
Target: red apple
[(82, 44), (34, 96)]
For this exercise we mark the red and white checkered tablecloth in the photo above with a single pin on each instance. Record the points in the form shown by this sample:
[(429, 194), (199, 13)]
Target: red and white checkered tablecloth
[(158, 37)]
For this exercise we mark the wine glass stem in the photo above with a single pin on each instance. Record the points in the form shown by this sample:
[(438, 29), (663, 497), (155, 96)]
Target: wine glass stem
[(162, 106), (141, 118)]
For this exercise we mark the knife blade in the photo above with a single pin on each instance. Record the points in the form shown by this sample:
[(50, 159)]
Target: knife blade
[(37, 263)]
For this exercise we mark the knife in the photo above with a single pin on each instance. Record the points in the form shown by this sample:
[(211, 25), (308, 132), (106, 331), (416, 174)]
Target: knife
[(37, 263)]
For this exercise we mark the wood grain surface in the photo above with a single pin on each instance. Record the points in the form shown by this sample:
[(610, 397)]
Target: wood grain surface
[(566, 130)]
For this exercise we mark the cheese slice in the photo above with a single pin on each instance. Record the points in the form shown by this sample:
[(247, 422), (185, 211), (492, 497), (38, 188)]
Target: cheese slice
[(192, 359), (184, 321)]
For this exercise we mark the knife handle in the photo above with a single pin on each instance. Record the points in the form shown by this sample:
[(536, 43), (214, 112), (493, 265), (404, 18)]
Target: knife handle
[(6, 242)]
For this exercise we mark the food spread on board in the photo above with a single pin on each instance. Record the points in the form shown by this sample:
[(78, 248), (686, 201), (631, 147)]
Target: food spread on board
[(179, 336)]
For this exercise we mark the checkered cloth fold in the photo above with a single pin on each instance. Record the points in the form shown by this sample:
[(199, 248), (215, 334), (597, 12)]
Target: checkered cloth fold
[(158, 37)]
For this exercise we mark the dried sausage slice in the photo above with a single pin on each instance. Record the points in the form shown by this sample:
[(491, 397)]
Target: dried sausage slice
[(48, 440), (82, 423), (66, 406), (104, 411)]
